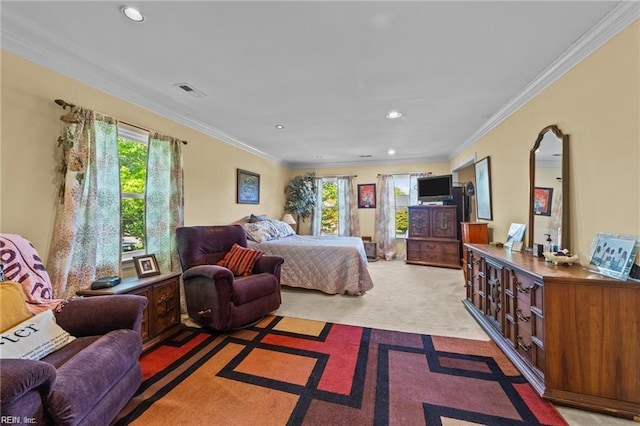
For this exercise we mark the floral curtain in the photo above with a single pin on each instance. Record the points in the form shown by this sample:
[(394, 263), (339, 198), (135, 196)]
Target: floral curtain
[(385, 226), (348, 217), (316, 224), (164, 209), (86, 234)]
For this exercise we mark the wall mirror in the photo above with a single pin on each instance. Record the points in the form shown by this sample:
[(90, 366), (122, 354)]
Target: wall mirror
[(549, 188)]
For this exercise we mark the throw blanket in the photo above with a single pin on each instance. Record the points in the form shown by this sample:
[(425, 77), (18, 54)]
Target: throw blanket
[(21, 263)]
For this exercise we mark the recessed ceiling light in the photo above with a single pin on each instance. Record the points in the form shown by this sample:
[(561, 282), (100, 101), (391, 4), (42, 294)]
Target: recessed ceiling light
[(393, 115), (133, 14), (391, 151), (279, 126)]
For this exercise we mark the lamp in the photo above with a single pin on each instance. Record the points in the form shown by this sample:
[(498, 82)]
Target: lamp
[(288, 219)]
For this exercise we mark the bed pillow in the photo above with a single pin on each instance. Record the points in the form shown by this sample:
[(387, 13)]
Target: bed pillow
[(260, 231), (258, 218), (283, 229), (34, 338), (240, 260), (12, 305)]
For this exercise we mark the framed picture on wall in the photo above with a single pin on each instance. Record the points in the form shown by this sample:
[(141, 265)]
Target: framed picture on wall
[(367, 196), (248, 187), (483, 189), (542, 201)]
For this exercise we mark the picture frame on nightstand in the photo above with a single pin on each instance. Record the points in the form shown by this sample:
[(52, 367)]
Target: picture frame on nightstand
[(146, 265)]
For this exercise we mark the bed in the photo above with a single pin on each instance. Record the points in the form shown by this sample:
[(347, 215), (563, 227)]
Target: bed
[(334, 265)]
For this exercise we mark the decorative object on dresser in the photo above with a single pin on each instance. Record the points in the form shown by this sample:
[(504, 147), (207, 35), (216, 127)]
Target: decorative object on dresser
[(613, 255), (572, 333), (433, 236), (516, 233), (161, 317)]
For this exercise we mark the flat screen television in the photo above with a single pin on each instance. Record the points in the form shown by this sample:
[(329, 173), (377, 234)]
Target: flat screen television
[(435, 188)]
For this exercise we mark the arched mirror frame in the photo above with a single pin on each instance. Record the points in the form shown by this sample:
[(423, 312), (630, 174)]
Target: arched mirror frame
[(564, 139)]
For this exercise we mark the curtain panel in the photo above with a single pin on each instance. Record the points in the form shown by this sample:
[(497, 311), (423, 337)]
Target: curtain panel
[(85, 242), (348, 216), (164, 211), (385, 226), (316, 223)]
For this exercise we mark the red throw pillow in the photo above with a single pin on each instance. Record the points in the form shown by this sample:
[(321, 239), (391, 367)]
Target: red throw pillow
[(240, 260)]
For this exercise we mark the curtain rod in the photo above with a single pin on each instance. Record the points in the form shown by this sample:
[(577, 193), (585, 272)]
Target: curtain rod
[(337, 176), (65, 104), (406, 173)]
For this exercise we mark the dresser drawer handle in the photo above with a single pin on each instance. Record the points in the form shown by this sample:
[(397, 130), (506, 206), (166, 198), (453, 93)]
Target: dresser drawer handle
[(522, 317), (525, 289), (522, 346)]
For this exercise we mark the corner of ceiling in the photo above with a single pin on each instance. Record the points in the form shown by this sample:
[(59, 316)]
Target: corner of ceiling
[(613, 23)]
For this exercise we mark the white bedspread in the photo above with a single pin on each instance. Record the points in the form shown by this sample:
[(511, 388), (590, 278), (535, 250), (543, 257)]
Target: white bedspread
[(334, 265)]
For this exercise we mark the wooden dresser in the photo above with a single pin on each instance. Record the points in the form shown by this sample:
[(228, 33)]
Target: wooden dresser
[(161, 317), (433, 236), (574, 334), (472, 232)]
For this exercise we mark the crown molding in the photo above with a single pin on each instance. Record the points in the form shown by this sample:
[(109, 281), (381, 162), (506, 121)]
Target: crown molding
[(608, 27), (78, 67), (389, 162)]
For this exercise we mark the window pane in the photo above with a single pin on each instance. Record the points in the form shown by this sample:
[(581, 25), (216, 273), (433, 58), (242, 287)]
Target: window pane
[(401, 183), (329, 208), (133, 166), (133, 174), (132, 224)]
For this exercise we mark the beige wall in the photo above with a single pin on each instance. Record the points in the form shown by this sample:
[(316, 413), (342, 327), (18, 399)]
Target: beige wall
[(598, 105), (30, 127)]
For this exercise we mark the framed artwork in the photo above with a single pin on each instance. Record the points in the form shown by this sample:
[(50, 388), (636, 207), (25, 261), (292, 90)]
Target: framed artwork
[(146, 265), (367, 196), (613, 255), (483, 189), (542, 201), (248, 187), (516, 234)]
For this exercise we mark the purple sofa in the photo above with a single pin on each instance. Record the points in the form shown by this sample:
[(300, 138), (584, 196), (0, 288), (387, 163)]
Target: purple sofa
[(88, 381), (214, 297)]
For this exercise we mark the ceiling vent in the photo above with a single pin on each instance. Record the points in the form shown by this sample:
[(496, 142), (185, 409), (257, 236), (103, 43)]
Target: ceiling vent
[(365, 156), (190, 90)]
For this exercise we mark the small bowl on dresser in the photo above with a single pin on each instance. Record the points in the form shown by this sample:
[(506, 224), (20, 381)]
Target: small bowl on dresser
[(560, 260)]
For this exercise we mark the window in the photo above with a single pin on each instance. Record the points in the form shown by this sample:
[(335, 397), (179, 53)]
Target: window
[(133, 145), (401, 183), (329, 207)]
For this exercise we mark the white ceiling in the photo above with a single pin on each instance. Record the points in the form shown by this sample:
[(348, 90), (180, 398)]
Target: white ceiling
[(328, 71)]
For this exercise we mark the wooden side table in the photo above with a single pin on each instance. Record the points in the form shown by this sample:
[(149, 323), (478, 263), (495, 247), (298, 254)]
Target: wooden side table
[(371, 248), (161, 317)]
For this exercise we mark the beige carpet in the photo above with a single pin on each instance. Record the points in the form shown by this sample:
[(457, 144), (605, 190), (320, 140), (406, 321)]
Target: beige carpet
[(411, 298)]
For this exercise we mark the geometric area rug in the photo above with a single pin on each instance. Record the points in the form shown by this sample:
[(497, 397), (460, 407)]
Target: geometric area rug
[(290, 371)]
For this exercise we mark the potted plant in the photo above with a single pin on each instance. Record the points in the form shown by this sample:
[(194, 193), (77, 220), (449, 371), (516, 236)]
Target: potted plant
[(301, 197)]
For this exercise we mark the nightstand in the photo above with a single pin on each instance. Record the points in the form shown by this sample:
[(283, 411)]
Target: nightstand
[(161, 317), (370, 248)]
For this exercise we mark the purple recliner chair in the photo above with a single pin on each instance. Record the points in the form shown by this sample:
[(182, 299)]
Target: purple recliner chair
[(216, 298), (86, 382)]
